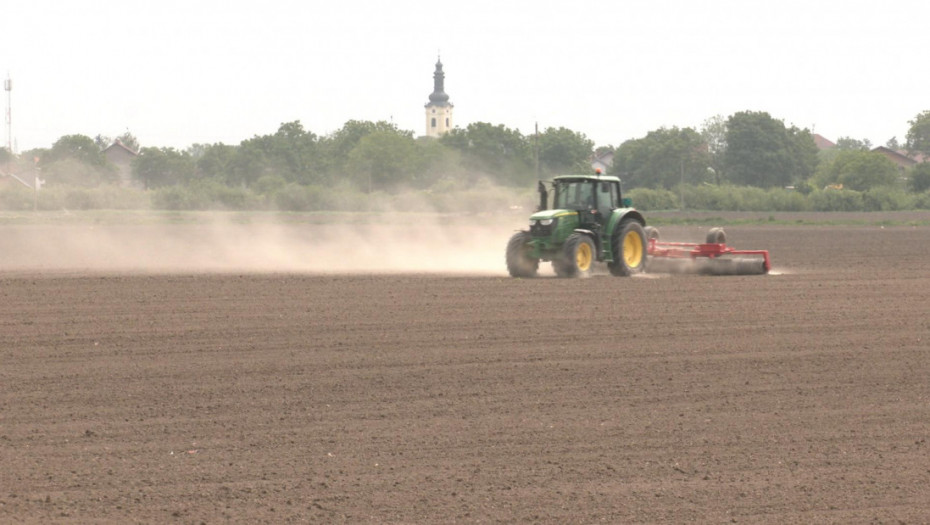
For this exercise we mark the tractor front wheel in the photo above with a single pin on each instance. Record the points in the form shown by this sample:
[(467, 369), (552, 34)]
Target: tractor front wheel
[(519, 262), (578, 256), (629, 249)]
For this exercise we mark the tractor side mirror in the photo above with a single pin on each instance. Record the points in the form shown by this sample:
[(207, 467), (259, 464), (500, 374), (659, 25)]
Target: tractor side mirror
[(627, 202), (543, 196)]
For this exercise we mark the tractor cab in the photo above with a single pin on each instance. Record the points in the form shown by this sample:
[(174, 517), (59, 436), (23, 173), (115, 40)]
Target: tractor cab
[(593, 198)]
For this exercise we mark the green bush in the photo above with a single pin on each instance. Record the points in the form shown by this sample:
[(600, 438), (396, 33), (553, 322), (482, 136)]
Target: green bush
[(269, 184), (71, 172), (204, 195), (229, 198), (922, 201), (885, 198), (174, 198), (73, 198), (648, 199), (101, 198), (443, 197), (294, 197), (297, 197), (836, 200), (787, 200), (712, 198), (16, 197)]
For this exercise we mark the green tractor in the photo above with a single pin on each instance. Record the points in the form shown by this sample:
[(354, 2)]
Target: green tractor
[(588, 221)]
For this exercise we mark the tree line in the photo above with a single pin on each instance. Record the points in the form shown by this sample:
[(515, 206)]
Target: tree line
[(754, 149), (293, 168)]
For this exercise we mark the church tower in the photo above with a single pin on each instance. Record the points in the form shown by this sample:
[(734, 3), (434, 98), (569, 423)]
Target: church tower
[(438, 109)]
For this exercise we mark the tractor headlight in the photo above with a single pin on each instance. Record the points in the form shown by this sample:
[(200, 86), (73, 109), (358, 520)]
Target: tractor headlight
[(542, 227)]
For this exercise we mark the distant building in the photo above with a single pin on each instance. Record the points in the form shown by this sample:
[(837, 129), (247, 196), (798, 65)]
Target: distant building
[(438, 109), (900, 157), (602, 160), (121, 156), (822, 142)]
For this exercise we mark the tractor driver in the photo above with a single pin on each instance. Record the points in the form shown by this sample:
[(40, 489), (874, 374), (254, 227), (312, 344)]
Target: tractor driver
[(585, 196)]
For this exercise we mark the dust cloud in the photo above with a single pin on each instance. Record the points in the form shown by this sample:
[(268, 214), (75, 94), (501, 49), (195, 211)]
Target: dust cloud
[(411, 244)]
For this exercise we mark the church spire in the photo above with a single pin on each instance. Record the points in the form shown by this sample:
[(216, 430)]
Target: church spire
[(438, 109), (438, 97)]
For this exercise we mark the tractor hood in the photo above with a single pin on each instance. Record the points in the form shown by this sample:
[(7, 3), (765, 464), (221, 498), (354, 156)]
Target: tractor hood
[(551, 214)]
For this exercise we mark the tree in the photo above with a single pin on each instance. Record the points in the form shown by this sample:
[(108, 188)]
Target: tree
[(439, 162), (77, 147), (762, 152), (126, 139), (920, 177), (851, 144), (918, 136), (858, 170), (383, 160), (562, 150), (804, 154), (714, 133), (335, 147), (129, 140), (249, 163), (76, 160), (662, 159), (159, 167), (214, 161), (293, 152), (498, 151)]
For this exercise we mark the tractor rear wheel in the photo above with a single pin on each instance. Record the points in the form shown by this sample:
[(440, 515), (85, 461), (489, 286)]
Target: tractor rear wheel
[(651, 233), (629, 249), (716, 236), (519, 262), (578, 256)]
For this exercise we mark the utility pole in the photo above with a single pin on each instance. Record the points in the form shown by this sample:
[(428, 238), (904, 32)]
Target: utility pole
[(536, 149), (8, 87), (681, 186)]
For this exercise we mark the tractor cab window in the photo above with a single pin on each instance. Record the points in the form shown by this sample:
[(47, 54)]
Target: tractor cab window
[(605, 199), (574, 195)]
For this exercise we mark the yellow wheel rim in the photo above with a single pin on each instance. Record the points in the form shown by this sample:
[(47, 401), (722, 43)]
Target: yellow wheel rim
[(583, 257), (633, 249)]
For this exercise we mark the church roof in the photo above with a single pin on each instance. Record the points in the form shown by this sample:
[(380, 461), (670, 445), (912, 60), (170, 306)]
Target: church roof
[(438, 97)]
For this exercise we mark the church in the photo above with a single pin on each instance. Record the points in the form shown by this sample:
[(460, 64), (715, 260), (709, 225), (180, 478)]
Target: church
[(438, 109)]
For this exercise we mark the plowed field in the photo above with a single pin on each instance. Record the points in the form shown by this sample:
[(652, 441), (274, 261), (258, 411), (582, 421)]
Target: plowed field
[(230, 393)]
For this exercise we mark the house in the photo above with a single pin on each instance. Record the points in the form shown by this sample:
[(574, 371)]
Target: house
[(121, 156), (822, 142), (602, 160), (900, 157)]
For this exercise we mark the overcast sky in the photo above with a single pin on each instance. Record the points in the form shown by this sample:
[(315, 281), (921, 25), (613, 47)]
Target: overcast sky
[(176, 73)]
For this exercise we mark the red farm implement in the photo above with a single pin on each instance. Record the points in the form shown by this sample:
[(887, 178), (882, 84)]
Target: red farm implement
[(712, 257)]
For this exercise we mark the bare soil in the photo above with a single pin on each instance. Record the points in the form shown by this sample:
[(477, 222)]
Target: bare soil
[(417, 396)]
